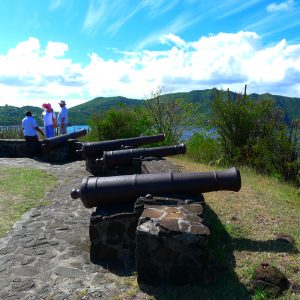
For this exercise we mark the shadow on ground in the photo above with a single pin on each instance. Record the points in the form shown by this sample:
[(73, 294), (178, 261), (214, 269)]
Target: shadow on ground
[(226, 284)]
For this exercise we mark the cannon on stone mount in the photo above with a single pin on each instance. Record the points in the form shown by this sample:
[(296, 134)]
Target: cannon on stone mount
[(96, 149), (117, 190), (57, 141), (124, 157)]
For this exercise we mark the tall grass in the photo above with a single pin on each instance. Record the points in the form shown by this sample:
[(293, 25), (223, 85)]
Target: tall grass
[(11, 132)]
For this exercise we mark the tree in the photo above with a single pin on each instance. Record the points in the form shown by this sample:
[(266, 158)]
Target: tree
[(167, 115)]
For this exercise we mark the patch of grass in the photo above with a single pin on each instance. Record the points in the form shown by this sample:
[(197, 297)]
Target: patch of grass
[(244, 225), (21, 190), (132, 289), (260, 295)]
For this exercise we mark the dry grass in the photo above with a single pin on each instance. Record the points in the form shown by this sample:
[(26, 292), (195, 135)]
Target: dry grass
[(253, 218)]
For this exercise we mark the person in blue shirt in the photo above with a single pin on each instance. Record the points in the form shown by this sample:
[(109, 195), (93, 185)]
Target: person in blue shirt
[(30, 128), (62, 119)]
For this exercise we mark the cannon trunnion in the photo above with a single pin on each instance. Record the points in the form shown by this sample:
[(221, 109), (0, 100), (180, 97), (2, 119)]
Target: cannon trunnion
[(115, 190)]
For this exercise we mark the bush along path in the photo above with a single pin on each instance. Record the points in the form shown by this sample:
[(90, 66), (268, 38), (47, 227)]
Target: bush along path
[(46, 255)]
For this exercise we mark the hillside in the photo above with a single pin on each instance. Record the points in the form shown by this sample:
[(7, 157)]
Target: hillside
[(12, 115), (80, 114)]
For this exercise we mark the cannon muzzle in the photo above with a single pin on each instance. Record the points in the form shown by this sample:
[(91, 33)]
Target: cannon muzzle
[(96, 149), (124, 157), (51, 143), (115, 190)]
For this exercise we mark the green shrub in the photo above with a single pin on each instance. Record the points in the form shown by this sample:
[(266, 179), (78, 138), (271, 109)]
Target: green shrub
[(203, 147), (119, 122), (254, 133)]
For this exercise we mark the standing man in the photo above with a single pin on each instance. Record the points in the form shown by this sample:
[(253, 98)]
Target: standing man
[(33, 147), (62, 119)]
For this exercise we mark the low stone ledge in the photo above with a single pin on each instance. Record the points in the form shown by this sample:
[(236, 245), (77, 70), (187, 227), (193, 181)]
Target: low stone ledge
[(17, 148), (12, 148)]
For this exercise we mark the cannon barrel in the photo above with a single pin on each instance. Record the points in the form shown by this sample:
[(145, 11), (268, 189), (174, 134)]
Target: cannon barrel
[(95, 149), (111, 191), (57, 141), (124, 157)]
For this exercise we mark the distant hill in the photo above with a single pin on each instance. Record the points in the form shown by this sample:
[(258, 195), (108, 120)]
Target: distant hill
[(80, 114), (12, 115)]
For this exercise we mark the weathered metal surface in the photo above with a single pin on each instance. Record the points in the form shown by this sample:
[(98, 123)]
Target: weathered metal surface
[(96, 149), (124, 157), (52, 143), (111, 191)]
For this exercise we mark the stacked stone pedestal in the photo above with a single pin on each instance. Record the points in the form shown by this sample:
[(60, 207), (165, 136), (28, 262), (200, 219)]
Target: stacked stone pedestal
[(112, 236), (172, 245), (165, 238)]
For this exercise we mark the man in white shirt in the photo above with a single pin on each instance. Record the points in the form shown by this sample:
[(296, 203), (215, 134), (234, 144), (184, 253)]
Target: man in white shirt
[(30, 128), (62, 119)]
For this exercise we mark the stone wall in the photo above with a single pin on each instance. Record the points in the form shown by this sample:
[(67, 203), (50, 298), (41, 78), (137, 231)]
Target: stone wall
[(17, 148), (12, 148)]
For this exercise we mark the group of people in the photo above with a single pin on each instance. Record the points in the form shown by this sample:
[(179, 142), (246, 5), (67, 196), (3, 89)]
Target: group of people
[(50, 122), (30, 127)]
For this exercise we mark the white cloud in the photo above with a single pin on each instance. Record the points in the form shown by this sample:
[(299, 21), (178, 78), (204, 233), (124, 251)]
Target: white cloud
[(274, 7), (31, 75)]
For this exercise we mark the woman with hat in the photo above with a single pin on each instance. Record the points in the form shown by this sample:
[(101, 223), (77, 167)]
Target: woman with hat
[(62, 118), (49, 120)]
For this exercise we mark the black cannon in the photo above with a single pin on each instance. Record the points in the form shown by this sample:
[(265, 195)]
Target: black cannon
[(51, 143), (124, 157), (96, 149), (117, 190)]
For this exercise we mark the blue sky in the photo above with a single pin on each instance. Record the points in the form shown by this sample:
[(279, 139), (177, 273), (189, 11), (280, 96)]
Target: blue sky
[(77, 50)]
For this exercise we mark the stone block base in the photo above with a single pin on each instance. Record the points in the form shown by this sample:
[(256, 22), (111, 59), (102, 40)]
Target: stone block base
[(172, 244), (112, 236)]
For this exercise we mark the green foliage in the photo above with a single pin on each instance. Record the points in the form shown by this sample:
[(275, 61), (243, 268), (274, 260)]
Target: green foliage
[(11, 115), (120, 122), (169, 116), (260, 295), (254, 133), (203, 147), (80, 114)]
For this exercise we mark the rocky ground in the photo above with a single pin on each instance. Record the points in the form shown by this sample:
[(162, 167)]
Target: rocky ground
[(46, 255)]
